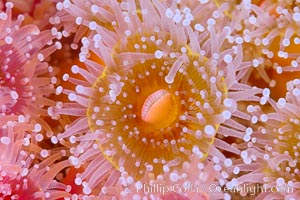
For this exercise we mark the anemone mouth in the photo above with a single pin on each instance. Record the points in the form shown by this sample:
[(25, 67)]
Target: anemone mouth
[(153, 109), (159, 109)]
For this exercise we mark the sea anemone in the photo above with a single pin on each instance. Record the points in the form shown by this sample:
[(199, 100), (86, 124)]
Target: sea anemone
[(149, 99), (282, 147), (271, 153), (169, 84), (27, 171), (24, 85), (166, 88), (270, 32)]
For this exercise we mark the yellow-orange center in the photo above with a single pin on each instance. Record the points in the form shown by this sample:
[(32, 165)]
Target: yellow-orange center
[(159, 109)]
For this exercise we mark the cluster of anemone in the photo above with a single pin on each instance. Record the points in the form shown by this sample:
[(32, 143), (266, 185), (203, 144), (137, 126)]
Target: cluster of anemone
[(278, 156), (149, 99), (22, 177)]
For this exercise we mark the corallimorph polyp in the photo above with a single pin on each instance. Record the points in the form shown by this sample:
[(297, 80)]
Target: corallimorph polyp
[(169, 84), (22, 66), (271, 40), (284, 149), (186, 93), (22, 176), (275, 156), (163, 93)]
